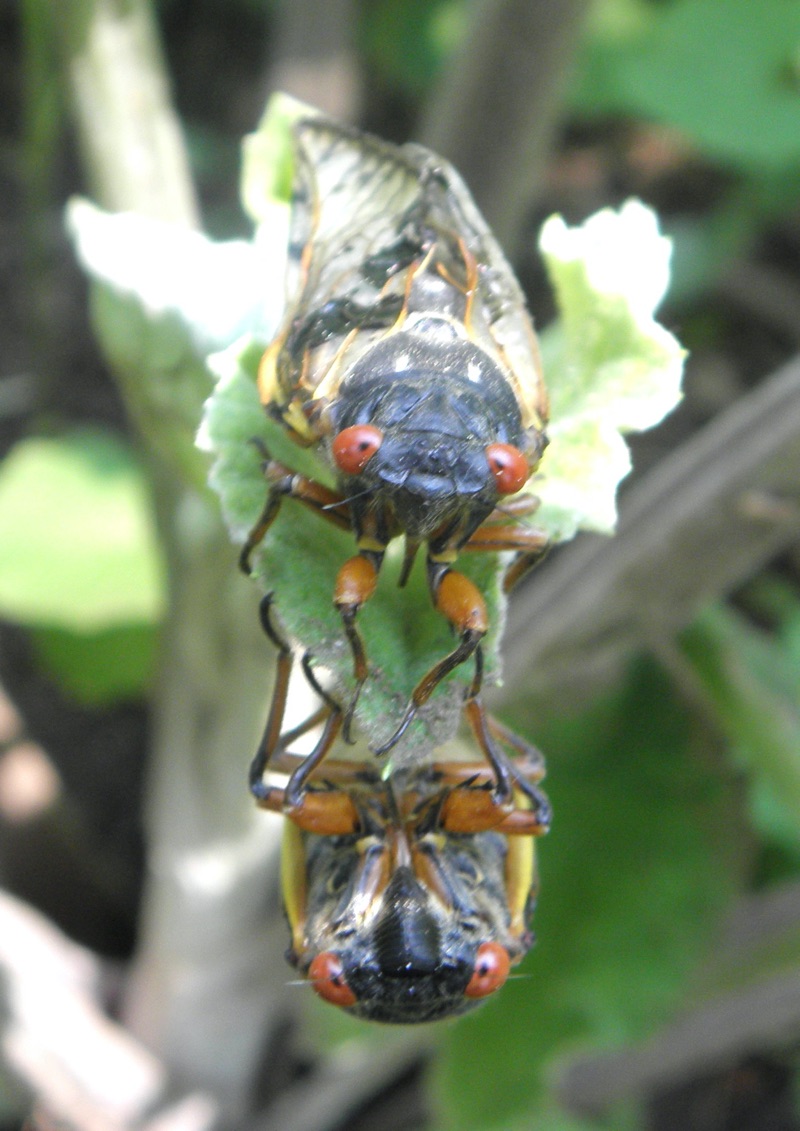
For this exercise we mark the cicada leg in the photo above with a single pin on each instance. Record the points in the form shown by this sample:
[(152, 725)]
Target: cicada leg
[(471, 803), (277, 710), (284, 483), (327, 812), (355, 584), (490, 736), (357, 578), (460, 601), (531, 546), (517, 506), (330, 812)]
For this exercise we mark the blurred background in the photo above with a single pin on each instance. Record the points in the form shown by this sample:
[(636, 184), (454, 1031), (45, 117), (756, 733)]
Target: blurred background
[(141, 940)]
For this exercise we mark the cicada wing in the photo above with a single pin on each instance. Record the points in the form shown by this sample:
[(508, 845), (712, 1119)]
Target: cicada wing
[(359, 192), (450, 208), (363, 212), (348, 238)]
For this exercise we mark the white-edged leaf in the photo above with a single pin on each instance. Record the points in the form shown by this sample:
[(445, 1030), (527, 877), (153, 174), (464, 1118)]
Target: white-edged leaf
[(609, 365), (217, 290)]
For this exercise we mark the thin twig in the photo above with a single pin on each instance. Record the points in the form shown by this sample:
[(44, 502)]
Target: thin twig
[(496, 110), (695, 527), (313, 56), (343, 1083), (131, 140), (751, 1018), (765, 1016)]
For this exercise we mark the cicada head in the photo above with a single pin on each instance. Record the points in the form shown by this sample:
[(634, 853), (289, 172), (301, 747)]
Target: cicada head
[(427, 423), (417, 942)]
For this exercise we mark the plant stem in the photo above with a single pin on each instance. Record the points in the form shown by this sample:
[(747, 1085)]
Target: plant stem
[(130, 137), (209, 970), (693, 529), (496, 110)]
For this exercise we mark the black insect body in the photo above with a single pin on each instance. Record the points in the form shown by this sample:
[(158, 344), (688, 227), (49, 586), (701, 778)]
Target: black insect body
[(438, 404), (408, 898), (408, 358), (404, 922)]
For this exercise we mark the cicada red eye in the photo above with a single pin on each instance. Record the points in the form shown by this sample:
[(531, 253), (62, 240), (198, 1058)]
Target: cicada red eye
[(355, 446), (508, 466), (327, 977), (492, 965)]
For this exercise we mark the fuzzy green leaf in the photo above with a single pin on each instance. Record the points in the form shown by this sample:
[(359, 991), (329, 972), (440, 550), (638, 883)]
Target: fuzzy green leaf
[(164, 297)]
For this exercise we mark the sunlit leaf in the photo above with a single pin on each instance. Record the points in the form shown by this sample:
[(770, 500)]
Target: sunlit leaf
[(610, 367), (79, 546), (214, 291)]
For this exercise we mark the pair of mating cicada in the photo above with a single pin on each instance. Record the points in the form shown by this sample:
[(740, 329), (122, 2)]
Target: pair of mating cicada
[(407, 359)]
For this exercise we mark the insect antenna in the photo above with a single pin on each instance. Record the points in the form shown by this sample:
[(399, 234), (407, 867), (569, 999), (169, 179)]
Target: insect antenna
[(348, 500)]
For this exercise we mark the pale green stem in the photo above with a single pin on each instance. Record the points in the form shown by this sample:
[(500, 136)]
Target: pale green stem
[(209, 970)]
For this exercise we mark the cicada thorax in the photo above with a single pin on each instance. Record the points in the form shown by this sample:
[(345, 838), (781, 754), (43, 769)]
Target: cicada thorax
[(403, 922), (416, 365), (438, 405)]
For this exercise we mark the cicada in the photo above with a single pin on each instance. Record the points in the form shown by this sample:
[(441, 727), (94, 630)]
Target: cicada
[(400, 919), (409, 898), (407, 357)]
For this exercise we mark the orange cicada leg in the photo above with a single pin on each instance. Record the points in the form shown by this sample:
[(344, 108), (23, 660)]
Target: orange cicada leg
[(491, 736), (355, 583), (531, 546), (357, 578), (518, 506), (321, 811), (469, 810), (471, 805), (461, 602), (284, 483)]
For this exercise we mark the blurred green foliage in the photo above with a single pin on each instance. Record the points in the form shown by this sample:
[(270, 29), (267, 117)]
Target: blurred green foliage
[(670, 796), (78, 503), (751, 682), (724, 72), (723, 75), (408, 41), (81, 564), (644, 855)]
